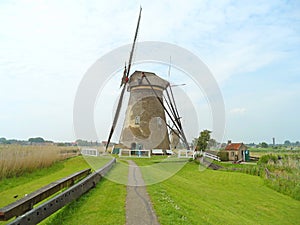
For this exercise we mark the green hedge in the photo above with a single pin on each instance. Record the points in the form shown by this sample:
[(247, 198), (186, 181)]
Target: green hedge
[(224, 156)]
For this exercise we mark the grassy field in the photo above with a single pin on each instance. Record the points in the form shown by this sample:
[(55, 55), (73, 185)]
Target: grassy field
[(280, 172), (218, 197), (10, 187), (191, 196), (103, 205), (29, 182), (257, 152)]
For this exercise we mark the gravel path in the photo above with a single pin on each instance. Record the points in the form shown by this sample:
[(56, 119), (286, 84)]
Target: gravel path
[(139, 210)]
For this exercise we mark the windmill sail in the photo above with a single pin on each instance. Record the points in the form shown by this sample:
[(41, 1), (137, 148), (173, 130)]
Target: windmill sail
[(124, 82)]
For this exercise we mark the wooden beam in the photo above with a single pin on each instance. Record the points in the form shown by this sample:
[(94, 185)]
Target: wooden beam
[(44, 210), (25, 204)]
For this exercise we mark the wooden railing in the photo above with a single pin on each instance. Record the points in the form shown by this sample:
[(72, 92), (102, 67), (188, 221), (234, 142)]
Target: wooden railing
[(36, 215), (25, 204), (211, 156)]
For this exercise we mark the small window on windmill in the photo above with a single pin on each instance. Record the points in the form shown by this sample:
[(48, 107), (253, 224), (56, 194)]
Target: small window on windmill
[(137, 120), (159, 121)]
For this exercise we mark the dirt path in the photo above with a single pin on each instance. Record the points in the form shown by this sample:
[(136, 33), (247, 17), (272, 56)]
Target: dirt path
[(139, 210)]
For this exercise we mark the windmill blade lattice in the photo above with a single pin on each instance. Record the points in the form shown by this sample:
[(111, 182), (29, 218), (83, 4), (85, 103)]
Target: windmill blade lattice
[(124, 83)]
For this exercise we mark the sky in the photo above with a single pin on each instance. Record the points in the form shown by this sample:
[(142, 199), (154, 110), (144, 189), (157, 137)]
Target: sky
[(252, 48)]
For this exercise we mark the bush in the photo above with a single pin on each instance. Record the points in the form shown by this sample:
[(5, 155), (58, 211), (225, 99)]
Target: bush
[(265, 159), (223, 155)]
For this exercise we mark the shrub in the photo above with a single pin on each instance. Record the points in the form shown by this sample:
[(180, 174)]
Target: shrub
[(269, 158), (223, 155)]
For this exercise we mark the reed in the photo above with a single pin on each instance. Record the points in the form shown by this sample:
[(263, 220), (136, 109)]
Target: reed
[(16, 160)]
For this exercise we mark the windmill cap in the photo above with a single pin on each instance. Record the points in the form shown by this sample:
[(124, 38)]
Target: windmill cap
[(137, 79)]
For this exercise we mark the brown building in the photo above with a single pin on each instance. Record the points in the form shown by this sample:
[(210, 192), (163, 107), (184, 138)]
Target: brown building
[(237, 151), (144, 126)]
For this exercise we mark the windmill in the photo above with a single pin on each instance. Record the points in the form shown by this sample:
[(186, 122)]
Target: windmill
[(144, 125), (151, 101)]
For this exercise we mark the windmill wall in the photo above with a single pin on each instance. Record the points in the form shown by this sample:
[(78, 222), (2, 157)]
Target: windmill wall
[(144, 124)]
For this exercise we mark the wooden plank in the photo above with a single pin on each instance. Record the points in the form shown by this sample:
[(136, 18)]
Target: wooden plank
[(44, 210), (25, 204)]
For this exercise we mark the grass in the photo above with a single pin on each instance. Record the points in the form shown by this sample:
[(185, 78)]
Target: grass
[(16, 160), (218, 197), (29, 182), (104, 204), (258, 152), (248, 168), (97, 162), (191, 196), (146, 161), (159, 168), (283, 175)]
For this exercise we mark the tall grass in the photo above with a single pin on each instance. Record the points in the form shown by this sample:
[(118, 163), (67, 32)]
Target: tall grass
[(283, 172), (16, 160)]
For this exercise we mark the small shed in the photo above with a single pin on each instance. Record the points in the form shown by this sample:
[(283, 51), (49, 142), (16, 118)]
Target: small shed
[(237, 151)]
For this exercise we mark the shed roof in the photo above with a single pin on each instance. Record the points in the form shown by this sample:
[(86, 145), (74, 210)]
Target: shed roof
[(233, 146)]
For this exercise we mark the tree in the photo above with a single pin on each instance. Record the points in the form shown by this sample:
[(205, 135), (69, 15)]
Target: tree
[(212, 143), (264, 145), (203, 140), (4, 141), (36, 140), (194, 142), (287, 143)]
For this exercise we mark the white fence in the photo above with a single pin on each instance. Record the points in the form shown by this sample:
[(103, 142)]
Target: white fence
[(169, 152), (89, 152), (211, 156), (185, 154), (157, 151), (134, 153)]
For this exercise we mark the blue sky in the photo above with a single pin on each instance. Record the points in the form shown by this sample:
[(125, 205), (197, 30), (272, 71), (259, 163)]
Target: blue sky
[(251, 47)]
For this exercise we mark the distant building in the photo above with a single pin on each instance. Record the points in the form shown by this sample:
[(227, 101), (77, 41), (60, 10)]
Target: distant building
[(237, 152)]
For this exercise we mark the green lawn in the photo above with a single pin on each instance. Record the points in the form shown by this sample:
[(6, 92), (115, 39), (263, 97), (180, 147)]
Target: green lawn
[(217, 197), (104, 204), (10, 187), (258, 152), (29, 182), (147, 161), (191, 196)]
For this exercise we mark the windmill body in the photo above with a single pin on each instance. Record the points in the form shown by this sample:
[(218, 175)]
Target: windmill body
[(144, 125)]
